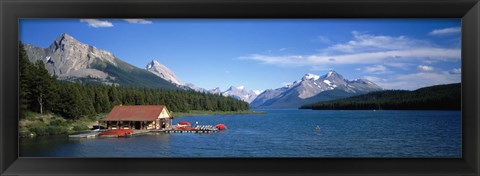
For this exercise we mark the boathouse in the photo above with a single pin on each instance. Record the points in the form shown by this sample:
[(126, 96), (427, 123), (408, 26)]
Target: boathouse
[(139, 117)]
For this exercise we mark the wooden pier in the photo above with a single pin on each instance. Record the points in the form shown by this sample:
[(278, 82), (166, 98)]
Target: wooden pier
[(190, 131), (141, 132), (85, 135)]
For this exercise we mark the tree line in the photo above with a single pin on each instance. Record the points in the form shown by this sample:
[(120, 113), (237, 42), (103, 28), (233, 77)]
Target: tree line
[(440, 97), (40, 92)]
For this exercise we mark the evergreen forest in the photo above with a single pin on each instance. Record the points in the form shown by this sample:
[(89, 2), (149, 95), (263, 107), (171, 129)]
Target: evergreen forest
[(439, 97)]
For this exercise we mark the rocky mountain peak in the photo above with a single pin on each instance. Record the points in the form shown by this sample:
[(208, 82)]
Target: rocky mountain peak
[(331, 75), (64, 39), (70, 59), (153, 63), (66, 36), (162, 71)]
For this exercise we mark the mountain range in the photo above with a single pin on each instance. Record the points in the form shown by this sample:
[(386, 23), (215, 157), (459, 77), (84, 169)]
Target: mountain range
[(74, 61), (236, 92), (313, 88), (70, 60)]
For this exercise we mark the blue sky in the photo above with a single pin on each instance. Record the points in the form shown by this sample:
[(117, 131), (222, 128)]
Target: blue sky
[(269, 53)]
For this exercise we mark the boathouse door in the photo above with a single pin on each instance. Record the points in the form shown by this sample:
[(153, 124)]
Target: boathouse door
[(138, 125), (163, 123)]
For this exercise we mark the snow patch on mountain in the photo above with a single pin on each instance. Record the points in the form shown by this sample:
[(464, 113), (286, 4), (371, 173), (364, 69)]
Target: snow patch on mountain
[(311, 76), (257, 92)]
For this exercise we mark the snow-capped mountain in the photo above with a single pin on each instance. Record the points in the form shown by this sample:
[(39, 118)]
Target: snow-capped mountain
[(215, 90), (313, 88), (71, 60), (163, 72), (191, 86), (241, 93)]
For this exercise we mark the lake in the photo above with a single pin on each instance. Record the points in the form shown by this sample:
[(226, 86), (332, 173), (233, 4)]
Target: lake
[(280, 133)]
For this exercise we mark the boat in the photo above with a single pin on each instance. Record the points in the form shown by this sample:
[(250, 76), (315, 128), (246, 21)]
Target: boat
[(116, 133), (183, 124), (221, 127)]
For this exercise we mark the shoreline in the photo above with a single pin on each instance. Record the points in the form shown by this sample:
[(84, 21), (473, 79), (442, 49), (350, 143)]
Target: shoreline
[(214, 113), (48, 124)]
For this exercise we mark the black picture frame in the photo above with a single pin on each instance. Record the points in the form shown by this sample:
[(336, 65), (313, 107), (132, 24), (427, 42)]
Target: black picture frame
[(11, 11)]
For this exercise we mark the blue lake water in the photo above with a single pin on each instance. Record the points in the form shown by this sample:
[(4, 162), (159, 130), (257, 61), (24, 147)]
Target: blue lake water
[(281, 133)]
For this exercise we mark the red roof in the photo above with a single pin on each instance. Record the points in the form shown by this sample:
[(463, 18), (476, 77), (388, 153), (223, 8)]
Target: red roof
[(135, 113)]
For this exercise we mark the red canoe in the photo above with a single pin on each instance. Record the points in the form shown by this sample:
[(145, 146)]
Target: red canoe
[(221, 127), (184, 123), (117, 132)]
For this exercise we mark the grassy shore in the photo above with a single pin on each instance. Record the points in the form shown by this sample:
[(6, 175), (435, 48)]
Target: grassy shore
[(35, 124), (198, 113)]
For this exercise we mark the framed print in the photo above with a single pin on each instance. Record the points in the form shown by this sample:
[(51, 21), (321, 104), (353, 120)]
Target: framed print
[(249, 87)]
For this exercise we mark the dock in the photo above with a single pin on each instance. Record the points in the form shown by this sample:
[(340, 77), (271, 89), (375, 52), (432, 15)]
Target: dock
[(128, 132), (190, 131), (85, 135)]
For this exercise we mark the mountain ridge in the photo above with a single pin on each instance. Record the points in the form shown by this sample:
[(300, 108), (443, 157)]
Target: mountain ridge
[(311, 88), (74, 61)]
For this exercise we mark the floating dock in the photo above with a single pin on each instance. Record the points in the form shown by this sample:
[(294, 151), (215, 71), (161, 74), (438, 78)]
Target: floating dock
[(130, 132), (190, 131), (85, 135)]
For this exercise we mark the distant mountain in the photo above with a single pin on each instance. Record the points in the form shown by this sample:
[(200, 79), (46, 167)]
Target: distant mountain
[(190, 86), (240, 93), (215, 90), (71, 60), (313, 88), (163, 72), (441, 97)]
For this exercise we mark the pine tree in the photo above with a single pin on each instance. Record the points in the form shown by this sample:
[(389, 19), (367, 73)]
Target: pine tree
[(113, 95), (42, 88), (26, 69)]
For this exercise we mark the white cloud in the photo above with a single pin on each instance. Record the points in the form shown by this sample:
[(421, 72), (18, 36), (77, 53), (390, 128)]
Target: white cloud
[(445, 31), (456, 71), (96, 23), (415, 80), (400, 65), (425, 68), (323, 39), (375, 79), (355, 58), (363, 42), (319, 68), (376, 69), (364, 49), (375, 54), (138, 21)]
